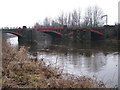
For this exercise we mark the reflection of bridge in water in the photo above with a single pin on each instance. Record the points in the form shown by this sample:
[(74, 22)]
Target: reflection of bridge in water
[(31, 34)]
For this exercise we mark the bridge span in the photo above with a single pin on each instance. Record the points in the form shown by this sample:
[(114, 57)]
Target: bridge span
[(31, 34)]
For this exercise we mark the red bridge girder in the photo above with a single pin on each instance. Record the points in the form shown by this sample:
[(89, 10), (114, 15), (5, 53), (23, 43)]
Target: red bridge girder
[(15, 33), (51, 31)]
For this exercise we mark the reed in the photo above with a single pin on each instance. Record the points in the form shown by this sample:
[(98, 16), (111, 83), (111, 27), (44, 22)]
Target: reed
[(20, 71)]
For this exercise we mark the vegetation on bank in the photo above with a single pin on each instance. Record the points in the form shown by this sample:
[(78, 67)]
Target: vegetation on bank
[(19, 71)]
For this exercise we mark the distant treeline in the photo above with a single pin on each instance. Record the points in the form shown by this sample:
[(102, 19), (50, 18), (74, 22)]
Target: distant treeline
[(93, 17)]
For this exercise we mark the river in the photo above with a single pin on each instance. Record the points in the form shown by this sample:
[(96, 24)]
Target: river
[(99, 60)]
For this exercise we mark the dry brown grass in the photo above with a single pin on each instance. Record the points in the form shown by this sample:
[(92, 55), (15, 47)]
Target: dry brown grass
[(21, 72)]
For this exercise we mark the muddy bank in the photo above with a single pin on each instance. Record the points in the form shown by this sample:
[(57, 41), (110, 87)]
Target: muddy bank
[(19, 71)]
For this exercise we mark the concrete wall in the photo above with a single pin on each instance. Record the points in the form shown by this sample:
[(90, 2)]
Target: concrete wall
[(119, 12)]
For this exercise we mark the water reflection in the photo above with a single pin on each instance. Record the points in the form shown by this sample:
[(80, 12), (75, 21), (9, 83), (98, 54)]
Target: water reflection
[(100, 59), (11, 39)]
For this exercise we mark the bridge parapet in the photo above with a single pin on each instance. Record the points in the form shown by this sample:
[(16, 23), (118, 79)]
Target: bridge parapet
[(48, 27), (31, 32)]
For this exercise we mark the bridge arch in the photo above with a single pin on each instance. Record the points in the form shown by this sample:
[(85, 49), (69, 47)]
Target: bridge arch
[(52, 33), (97, 32), (12, 32), (96, 35)]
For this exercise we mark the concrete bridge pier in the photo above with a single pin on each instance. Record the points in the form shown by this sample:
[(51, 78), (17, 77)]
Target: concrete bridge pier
[(29, 36), (88, 39)]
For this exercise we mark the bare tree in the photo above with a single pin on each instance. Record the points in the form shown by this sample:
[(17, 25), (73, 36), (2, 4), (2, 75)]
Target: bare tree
[(92, 17), (55, 23), (79, 17), (65, 22), (61, 19), (69, 19), (88, 20), (37, 25), (47, 21), (74, 18), (97, 14)]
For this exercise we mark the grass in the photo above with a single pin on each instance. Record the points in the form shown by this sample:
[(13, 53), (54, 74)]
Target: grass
[(20, 71)]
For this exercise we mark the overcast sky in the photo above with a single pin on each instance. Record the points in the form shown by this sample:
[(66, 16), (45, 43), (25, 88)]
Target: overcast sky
[(27, 12)]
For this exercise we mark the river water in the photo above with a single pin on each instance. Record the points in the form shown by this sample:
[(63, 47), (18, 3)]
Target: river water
[(99, 60)]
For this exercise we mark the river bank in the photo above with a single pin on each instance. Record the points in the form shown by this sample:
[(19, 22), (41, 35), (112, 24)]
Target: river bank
[(19, 71)]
